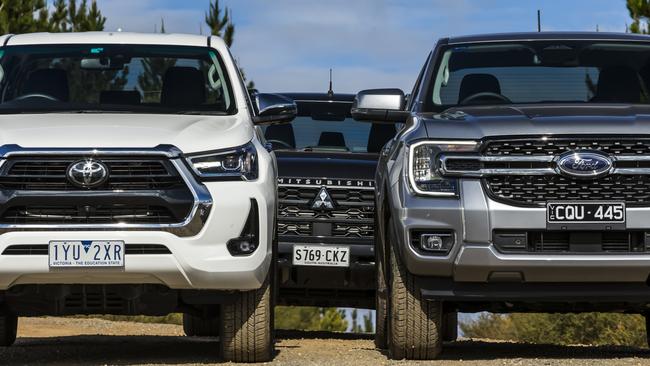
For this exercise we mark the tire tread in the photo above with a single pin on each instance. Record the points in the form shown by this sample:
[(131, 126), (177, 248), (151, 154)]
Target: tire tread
[(415, 323), (246, 326)]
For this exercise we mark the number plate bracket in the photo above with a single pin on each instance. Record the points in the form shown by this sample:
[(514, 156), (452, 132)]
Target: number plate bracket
[(586, 216)]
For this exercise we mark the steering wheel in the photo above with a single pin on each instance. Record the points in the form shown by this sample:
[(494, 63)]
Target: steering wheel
[(281, 143), (37, 95), (484, 97)]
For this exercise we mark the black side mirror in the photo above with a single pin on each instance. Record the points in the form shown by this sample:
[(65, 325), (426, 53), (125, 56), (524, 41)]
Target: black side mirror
[(380, 105), (273, 109)]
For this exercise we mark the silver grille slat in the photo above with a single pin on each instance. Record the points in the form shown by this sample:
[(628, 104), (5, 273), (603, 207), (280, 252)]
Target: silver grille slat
[(446, 171)]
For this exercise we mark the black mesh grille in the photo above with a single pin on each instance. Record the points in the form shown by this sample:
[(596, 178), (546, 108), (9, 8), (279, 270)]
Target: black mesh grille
[(50, 174), (107, 214), (576, 242), (537, 190), (352, 216), (555, 146)]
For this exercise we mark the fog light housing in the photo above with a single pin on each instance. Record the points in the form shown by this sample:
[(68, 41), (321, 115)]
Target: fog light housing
[(241, 246), (439, 243), (248, 240)]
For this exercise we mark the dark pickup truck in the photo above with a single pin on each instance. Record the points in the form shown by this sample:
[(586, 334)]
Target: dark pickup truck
[(326, 210)]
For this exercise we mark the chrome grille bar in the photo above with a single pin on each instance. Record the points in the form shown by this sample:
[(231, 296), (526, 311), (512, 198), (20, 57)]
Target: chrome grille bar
[(445, 170)]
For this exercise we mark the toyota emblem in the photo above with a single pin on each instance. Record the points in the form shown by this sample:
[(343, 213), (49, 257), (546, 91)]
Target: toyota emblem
[(87, 173)]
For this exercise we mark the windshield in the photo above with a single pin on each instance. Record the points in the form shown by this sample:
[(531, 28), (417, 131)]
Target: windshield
[(541, 72), (130, 78), (328, 126)]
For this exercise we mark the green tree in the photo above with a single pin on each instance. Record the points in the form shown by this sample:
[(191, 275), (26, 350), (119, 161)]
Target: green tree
[(368, 326), (310, 318), (17, 16), (24, 16), (587, 328), (640, 13), (298, 318), (220, 23), (333, 320), (356, 328)]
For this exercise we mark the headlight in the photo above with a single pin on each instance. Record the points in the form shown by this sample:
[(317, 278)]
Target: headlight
[(235, 163), (423, 172)]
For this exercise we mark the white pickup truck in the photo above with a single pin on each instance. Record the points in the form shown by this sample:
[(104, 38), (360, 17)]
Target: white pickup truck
[(133, 181)]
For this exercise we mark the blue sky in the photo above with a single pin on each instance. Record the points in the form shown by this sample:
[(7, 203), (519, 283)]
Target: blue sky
[(289, 45)]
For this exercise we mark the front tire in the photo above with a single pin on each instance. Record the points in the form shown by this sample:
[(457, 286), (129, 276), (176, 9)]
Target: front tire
[(8, 329), (414, 323), (246, 326), (381, 307), (647, 328)]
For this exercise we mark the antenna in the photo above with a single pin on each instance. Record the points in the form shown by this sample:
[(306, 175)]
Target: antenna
[(330, 92), (539, 20)]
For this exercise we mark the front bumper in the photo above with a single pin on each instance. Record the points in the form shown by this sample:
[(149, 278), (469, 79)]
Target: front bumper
[(327, 286), (474, 259), (201, 261)]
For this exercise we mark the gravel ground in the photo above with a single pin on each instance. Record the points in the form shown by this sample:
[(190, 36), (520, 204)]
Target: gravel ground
[(66, 341)]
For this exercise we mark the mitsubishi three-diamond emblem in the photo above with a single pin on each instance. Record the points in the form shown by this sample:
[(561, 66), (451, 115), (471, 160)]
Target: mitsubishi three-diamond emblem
[(323, 201)]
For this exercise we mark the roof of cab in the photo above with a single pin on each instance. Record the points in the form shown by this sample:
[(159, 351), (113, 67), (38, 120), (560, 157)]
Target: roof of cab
[(540, 36), (105, 38)]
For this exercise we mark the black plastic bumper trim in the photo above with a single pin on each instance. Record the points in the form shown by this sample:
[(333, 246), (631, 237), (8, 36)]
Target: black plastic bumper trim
[(447, 290)]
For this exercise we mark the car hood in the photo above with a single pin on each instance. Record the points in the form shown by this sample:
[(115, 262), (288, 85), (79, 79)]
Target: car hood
[(326, 165), (88, 130), (549, 119)]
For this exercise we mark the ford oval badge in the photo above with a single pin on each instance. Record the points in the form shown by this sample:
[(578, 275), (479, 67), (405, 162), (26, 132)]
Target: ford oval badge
[(584, 164)]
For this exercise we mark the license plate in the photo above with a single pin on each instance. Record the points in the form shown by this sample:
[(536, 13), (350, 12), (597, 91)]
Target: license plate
[(321, 255), (86, 253), (586, 212)]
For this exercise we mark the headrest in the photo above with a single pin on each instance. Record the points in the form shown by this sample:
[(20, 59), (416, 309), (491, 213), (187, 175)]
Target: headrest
[(282, 133), (183, 87), (618, 84), (478, 83)]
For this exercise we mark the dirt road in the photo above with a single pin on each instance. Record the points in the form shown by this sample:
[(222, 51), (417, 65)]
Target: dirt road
[(64, 341)]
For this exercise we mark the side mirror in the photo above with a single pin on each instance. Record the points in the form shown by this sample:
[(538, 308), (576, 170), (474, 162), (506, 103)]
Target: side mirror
[(380, 105), (274, 108)]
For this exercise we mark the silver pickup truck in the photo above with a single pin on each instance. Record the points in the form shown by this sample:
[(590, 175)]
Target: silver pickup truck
[(520, 183)]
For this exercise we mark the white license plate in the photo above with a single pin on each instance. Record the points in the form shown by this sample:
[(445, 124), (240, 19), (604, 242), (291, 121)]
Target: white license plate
[(321, 255), (585, 212), (86, 253)]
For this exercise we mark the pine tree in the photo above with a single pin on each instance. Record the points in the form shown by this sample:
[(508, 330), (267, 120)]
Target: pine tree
[(220, 22), (310, 318), (640, 13), (17, 16), (355, 327), (25, 16), (220, 25), (368, 326), (333, 320)]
